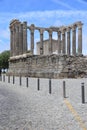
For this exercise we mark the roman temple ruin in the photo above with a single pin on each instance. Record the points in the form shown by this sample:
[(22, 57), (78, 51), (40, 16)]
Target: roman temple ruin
[(66, 35), (65, 63)]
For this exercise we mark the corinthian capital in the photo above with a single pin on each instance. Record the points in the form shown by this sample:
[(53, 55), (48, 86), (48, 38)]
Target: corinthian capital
[(41, 31), (79, 25), (74, 27), (68, 29), (50, 31), (63, 30), (32, 27)]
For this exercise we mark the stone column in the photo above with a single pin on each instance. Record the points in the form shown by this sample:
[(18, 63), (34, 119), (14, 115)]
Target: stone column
[(50, 41), (80, 39), (74, 40), (41, 41), (20, 38), (68, 41), (32, 37), (14, 33), (24, 37), (59, 42), (63, 42), (11, 41), (17, 39)]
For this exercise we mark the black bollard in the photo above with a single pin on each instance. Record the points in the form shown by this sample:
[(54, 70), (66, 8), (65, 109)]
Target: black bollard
[(0, 77), (50, 89), (13, 79), (20, 80), (64, 89), (38, 84), (8, 78), (3, 78), (83, 93), (27, 82)]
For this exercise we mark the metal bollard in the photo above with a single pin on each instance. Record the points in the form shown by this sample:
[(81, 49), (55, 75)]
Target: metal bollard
[(3, 78), (38, 84), (0, 77), (13, 79), (20, 80), (50, 88), (83, 93), (9, 79), (64, 89), (27, 82)]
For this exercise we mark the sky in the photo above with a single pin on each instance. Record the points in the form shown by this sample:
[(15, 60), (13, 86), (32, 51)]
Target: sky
[(42, 13)]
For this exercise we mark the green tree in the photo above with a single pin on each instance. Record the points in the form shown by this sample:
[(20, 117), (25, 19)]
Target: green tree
[(0, 61), (4, 57)]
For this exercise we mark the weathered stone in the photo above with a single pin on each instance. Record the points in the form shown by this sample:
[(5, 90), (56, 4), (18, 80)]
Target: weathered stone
[(74, 40), (50, 66), (18, 38), (68, 41), (59, 65)]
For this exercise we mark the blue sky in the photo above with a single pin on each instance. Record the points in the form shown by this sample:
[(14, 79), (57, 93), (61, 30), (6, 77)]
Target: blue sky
[(42, 13)]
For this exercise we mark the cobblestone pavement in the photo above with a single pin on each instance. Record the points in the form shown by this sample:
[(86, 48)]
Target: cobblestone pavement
[(23, 108)]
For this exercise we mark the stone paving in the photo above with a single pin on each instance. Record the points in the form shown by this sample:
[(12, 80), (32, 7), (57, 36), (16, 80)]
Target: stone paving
[(23, 108)]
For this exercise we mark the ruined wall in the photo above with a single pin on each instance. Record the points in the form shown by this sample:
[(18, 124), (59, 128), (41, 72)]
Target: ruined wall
[(65, 63), (46, 47), (51, 66)]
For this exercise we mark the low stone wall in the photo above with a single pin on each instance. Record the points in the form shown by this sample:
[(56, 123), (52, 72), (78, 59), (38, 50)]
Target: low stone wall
[(50, 66)]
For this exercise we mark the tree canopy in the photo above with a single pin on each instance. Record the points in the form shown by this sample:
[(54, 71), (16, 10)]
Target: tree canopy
[(4, 57)]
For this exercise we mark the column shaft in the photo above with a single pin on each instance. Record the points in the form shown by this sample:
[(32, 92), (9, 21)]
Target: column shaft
[(17, 40), (68, 42), (14, 32), (74, 41), (80, 40), (32, 38), (63, 43), (24, 37), (41, 43), (32, 41), (11, 42), (59, 42), (50, 42), (20, 38)]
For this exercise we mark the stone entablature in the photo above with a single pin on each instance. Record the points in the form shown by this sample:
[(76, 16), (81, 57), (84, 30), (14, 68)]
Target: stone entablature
[(66, 38)]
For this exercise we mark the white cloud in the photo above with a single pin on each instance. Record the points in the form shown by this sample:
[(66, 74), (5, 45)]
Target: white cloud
[(4, 33), (58, 23), (83, 1), (40, 15), (4, 45), (42, 18), (63, 3), (85, 44)]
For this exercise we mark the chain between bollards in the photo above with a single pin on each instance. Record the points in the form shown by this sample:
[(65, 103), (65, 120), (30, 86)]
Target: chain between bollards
[(83, 93)]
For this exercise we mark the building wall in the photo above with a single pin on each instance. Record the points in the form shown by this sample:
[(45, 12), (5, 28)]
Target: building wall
[(49, 66), (46, 47)]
